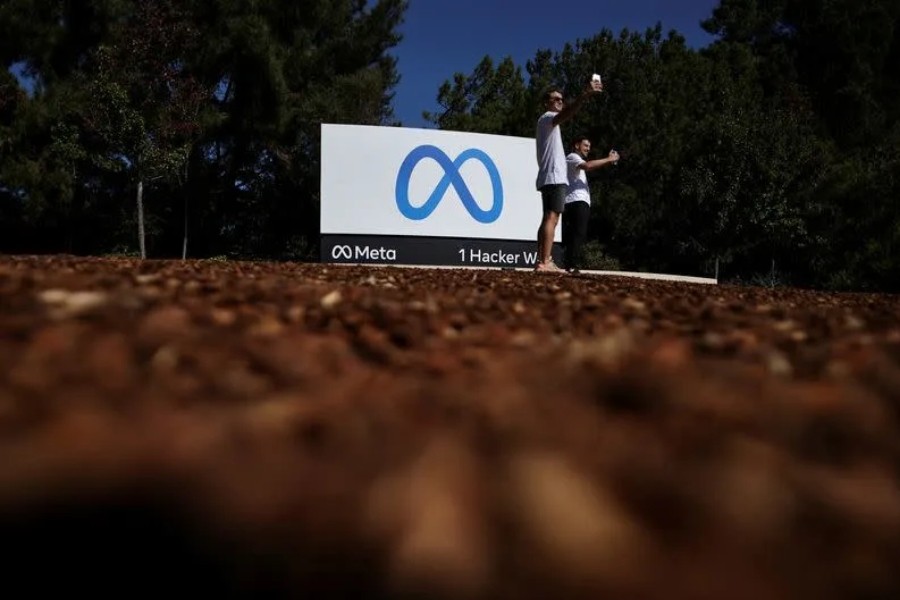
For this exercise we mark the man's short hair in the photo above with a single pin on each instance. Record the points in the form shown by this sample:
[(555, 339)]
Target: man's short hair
[(578, 139), (550, 90)]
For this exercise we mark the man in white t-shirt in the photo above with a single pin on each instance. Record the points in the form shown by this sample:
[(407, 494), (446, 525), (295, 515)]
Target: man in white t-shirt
[(552, 178), (578, 199)]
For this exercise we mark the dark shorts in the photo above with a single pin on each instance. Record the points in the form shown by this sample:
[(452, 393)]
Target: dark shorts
[(554, 197)]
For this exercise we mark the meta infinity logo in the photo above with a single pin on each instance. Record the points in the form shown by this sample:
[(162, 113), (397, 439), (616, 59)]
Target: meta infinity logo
[(345, 252), (451, 177)]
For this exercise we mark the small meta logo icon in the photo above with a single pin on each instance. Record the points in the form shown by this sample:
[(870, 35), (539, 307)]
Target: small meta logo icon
[(345, 252), (451, 177)]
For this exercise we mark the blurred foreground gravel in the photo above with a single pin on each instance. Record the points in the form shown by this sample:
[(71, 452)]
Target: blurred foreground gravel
[(288, 430)]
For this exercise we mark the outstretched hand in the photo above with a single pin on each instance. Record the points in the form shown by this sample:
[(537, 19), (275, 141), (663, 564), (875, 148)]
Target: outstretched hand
[(594, 87)]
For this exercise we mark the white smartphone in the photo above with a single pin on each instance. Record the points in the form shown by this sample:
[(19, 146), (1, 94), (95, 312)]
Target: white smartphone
[(596, 78)]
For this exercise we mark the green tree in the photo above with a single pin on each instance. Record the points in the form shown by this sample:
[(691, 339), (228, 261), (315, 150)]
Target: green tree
[(490, 100), (838, 60), (145, 104), (219, 101), (842, 54), (281, 69), (751, 152)]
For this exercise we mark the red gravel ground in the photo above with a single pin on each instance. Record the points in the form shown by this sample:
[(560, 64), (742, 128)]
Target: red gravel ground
[(240, 429)]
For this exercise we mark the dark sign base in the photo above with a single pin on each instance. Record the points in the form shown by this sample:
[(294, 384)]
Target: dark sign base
[(456, 252)]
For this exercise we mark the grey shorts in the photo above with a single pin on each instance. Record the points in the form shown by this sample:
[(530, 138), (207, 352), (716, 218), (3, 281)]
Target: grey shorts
[(554, 197)]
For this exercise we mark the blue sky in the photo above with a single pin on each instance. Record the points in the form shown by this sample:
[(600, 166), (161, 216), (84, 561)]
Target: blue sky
[(442, 37)]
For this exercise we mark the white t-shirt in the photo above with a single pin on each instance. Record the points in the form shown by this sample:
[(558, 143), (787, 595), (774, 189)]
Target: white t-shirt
[(578, 190), (551, 156)]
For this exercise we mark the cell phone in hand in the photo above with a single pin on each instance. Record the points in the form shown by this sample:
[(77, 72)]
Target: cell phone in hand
[(596, 78)]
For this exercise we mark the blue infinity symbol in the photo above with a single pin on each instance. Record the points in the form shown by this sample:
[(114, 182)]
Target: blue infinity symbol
[(451, 177)]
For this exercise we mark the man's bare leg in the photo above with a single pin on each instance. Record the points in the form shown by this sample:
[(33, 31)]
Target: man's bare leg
[(545, 237), (545, 242), (540, 241)]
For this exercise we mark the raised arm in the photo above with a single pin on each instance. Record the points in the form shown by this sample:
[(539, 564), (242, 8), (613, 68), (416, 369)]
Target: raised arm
[(569, 110), (590, 165)]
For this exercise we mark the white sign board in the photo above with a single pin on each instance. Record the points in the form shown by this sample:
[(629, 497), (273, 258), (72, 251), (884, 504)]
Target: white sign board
[(393, 181)]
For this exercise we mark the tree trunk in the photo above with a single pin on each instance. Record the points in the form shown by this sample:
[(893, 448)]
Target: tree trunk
[(184, 242), (184, 190), (140, 216)]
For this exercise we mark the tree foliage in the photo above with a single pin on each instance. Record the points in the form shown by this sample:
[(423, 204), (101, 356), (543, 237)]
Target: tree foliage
[(215, 105), (775, 145)]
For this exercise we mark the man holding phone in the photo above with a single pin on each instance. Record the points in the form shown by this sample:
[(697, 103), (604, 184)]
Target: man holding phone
[(578, 199), (552, 178)]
